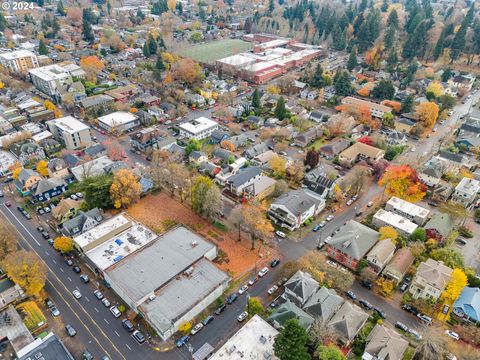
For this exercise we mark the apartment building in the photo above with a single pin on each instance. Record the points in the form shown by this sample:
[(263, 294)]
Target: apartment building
[(49, 79), (377, 110), (200, 128), (74, 133), (19, 61)]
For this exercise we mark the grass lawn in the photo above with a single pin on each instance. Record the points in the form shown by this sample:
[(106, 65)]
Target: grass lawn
[(317, 144), (31, 314), (409, 353), (212, 51)]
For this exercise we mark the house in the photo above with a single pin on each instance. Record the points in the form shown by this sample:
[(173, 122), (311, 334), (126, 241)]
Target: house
[(243, 181), (397, 138), (254, 340), (466, 191), (48, 79), (223, 155), (26, 181), (49, 346), (335, 147), (239, 141), (93, 167), (414, 213), (430, 176), (209, 169), (118, 122), (57, 168), (323, 304), (384, 343), (95, 151), (404, 125), (82, 222), (360, 151), (292, 209), (397, 268), (381, 253), (317, 116), (9, 292), (95, 102), (305, 138), (462, 82), (399, 223), (347, 322), (255, 122), (197, 157), (439, 227), (430, 280), (286, 311), (72, 132), (467, 305), (27, 151), (199, 128), (46, 189), (300, 287), (377, 110), (66, 209), (255, 150), (319, 182), (349, 245), (264, 159), (218, 136)]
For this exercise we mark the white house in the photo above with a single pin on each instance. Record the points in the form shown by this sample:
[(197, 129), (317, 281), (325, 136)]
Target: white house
[(430, 280), (200, 128), (399, 223), (412, 212), (466, 191), (119, 121)]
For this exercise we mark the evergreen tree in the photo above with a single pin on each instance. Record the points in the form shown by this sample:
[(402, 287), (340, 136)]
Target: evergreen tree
[(140, 15), (363, 6), (87, 31), (159, 67), (393, 19), (42, 48), (392, 59), (385, 5), (415, 43), (291, 343), (407, 104), (317, 78), (280, 110), (458, 43), (352, 59), (339, 38), (439, 46), (179, 8), (109, 8), (146, 49), (447, 74), (60, 9), (256, 102), (389, 37), (342, 83), (152, 45), (411, 71), (271, 6), (55, 26), (384, 90)]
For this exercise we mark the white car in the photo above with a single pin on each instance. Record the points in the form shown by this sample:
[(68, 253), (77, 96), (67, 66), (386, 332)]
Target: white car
[(370, 204), (327, 239), (106, 302), (452, 334), (263, 272), (272, 289), (349, 202), (413, 149), (77, 294), (329, 217), (242, 316), (243, 289), (280, 234), (114, 310), (331, 263), (196, 329)]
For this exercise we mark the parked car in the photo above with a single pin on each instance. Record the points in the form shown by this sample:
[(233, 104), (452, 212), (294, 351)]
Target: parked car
[(320, 245), (84, 278), (106, 302), (127, 325), (70, 330), (272, 289), (445, 309), (40, 229), (403, 287), (426, 319), (207, 320), (452, 334), (232, 298), (114, 310), (401, 326), (366, 283), (76, 294), (50, 242), (322, 224), (370, 204), (45, 235), (69, 261), (351, 295), (366, 304), (243, 289), (220, 309), (182, 341), (275, 262), (411, 309), (349, 202), (98, 294), (55, 311), (252, 281), (380, 312), (263, 272), (280, 234), (87, 355), (76, 269), (138, 336), (196, 329), (415, 334), (316, 228), (330, 217), (242, 316)]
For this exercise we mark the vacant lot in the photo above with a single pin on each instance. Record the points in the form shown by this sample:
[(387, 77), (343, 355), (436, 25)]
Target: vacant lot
[(160, 212), (210, 52)]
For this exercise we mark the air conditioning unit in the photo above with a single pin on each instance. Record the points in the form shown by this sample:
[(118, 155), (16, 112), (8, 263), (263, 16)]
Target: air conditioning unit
[(152, 297)]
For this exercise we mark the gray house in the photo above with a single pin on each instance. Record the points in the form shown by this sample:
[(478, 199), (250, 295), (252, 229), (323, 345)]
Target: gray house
[(84, 221)]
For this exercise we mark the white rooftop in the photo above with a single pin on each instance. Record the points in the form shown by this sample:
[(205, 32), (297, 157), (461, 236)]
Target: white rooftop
[(91, 168), (468, 186), (101, 230), (198, 125), (408, 207), (237, 60), (50, 72), (396, 221), (70, 125), (17, 54), (117, 118), (253, 341), (120, 245), (42, 136)]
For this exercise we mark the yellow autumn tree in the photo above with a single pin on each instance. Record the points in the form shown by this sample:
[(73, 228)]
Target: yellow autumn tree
[(92, 66), (457, 282), (427, 113), (16, 171), (172, 4), (385, 286), (388, 232), (273, 89), (42, 167), (278, 166), (27, 270), (125, 189), (435, 88), (63, 244)]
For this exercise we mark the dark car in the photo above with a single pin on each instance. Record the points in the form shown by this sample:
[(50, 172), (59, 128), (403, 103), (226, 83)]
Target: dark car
[(411, 309), (87, 355), (232, 298), (366, 283), (40, 229), (84, 278), (220, 309), (182, 341), (359, 213), (127, 324), (76, 269), (351, 295), (275, 263), (366, 304), (45, 235), (380, 312), (138, 335), (207, 320)]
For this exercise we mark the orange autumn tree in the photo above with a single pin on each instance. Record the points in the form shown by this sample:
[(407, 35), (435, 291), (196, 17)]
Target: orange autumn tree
[(365, 91), (427, 113), (92, 66), (402, 181), (395, 105)]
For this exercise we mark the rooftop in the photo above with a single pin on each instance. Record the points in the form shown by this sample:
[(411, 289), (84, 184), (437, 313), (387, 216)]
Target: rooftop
[(198, 125), (50, 347), (16, 54), (407, 207), (395, 220), (354, 239), (69, 124), (117, 118), (50, 72), (253, 341)]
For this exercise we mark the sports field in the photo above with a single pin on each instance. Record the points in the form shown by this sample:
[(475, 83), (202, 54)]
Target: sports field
[(210, 52)]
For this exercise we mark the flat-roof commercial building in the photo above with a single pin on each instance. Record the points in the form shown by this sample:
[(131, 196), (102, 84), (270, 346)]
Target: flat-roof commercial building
[(200, 128), (19, 61), (399, 223), (50, 78), (169, 279), (254, 340), (118, 122), (377, 110), (74, 133), (412, 212), (48, 347)]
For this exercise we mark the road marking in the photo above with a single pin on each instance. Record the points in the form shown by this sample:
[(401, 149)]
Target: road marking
[(69, 279), (117, 333), (96, 309), (46, 253), (76, 287), (61, 270), (87, 299), (106, 321), (129, 348), (65, 288), (54, 261)]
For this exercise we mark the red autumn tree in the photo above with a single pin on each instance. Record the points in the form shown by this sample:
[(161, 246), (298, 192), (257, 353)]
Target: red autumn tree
[(366, 140)]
